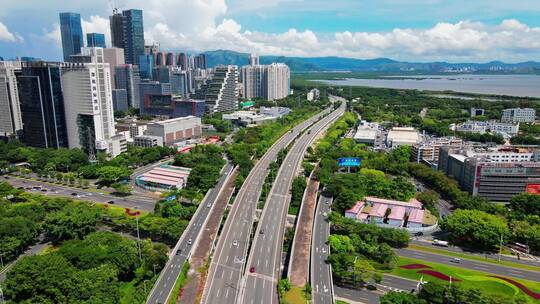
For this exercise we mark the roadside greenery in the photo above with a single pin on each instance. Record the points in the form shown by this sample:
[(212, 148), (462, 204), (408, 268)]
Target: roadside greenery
[(299, 185), (84, 270)]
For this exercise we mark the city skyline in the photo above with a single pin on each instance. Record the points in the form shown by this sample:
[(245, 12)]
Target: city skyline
[(412, 30)]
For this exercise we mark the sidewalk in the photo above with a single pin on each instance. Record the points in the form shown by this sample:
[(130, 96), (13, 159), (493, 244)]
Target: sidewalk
[(192, 291), (299, 263)]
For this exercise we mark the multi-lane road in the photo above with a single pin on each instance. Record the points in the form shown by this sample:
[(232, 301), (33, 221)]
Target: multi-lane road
[(263, 267), (321, 274), (165, 283), (227, 264), (132, 201), (471, 264)]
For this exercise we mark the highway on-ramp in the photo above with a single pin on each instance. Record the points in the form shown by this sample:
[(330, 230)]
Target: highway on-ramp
[(228, 261), (165, 283), (263, 267)]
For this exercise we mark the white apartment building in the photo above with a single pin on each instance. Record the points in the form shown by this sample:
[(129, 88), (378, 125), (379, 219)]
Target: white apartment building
[(518, 115), (270, 82), (88, 103), (222, 93), (313, 94), (10, 110), (505, 129)]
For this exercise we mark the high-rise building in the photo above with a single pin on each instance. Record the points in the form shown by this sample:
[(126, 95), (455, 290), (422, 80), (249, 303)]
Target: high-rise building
[(151, 49), (95, 40), (253, 59), (10, 109), (127, 32), (162, 74), (114, 57), (117, 21), (120, 100), (127, 77), (179, 83), (518, 115), (182, 61), (270, 82), (153, 92), (146, 66), (160, 58), (199, 62), (88, 103), (222, 93), (42, 105), (72, 35), (169, 60)]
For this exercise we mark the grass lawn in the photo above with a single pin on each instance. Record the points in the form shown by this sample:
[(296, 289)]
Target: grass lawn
[(469, 278), (295, 296), (472, 257), (341, 302), (180, 282)]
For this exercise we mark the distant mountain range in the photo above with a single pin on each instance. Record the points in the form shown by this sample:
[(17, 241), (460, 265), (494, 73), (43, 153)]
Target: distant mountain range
[(385, 65)]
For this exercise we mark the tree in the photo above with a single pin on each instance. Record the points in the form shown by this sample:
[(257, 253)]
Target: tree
[(526, 204), (52, 279), (340, 244), (476, 228), (394, 297), (108, 175), (122, 188), (71, 222), (283, 286)]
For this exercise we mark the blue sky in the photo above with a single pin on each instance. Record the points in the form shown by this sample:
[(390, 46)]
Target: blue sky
[(413, 30)]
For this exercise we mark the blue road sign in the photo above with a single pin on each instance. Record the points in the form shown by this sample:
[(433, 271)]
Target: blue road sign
[(349, 162)]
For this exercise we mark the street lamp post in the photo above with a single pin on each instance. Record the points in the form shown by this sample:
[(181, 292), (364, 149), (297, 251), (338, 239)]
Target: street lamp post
[(138, 235), (155, 269)]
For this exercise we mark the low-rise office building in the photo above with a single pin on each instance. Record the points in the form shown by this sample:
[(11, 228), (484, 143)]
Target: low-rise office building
[(164, 178), (367, 132), (496, 174), (518, 115), (481, 127), (147, 141), (176, 129), (428, 152), (391, 213), (403, 136)]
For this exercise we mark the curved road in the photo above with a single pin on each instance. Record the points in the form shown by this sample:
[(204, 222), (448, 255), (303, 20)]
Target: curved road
[(264, 263)]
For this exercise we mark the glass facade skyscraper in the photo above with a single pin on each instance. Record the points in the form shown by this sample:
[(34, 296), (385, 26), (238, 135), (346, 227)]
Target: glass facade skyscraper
[(95, 40), (72, 34), (146, 66), (133, 35), (42, 105)]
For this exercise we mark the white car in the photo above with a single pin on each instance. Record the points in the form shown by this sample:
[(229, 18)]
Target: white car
[(235, 243), (189, 242)]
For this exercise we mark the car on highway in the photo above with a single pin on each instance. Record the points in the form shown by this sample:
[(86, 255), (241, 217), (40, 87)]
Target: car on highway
[(20, 188), (190, 241), (456, 260), (261, 231), (208, 205), (323, 250), (178, 251), (419, 233), (235, 243), (74, 194), (43, 190), (325, 214), (252, 269), (110, 202)]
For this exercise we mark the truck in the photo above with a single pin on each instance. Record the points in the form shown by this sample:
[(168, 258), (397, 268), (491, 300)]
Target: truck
[(440, 243)]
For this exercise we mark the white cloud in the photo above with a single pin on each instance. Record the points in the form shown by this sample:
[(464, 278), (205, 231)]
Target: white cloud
[(97, 24), (6, 35), (200, 25), (465, 40)]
